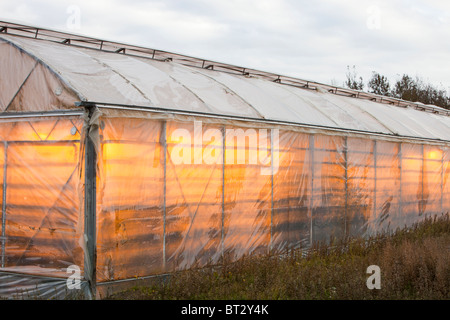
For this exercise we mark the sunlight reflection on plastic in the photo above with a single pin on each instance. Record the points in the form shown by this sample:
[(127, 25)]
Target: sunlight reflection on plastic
[(249, 146)]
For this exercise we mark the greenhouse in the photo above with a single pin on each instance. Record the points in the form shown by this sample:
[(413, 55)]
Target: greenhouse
[(121, 163)]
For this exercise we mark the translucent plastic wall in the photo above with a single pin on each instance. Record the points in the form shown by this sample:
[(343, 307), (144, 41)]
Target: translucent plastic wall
[(41, 222), (176, 193), (168, 203)]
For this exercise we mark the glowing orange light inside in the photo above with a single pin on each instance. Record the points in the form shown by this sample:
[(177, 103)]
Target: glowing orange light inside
[(433, 155)]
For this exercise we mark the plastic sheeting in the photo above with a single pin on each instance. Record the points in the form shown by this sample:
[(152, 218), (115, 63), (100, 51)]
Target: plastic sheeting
[(27, 84), (66, 74), (180, 193), (42, 224), (22, 286), (167, 202)]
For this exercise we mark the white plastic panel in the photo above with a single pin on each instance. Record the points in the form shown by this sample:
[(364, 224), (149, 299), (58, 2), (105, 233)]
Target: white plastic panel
[(345, 111), (114, 78)]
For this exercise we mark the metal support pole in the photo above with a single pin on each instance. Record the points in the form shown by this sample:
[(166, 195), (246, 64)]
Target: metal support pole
[(90, 210), (271, 182), (222, 236), (346, 231), (375, 178), (400, 178), (442, 182), (422, 201), (4, 204), (311, 198), (164, 141)]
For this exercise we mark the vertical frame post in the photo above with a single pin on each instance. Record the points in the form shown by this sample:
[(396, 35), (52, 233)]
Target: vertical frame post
[(90, 177), (164, 141), (271, 183), (311, 198), (222, 234), (5, 166), (346, 228), (442, 181), (400, 165), (422, 200), (374, 178)]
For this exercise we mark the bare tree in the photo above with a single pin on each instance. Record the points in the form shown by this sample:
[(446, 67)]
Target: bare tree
[(353, 81)]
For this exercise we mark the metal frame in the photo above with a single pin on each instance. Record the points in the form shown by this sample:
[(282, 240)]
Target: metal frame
[(223, 192), (257, 120), (346, 228), (374, 155), (422, 200), (4, 204), (400, 165), (75, 40), (271, 193), (311, 205), (90, 214), (164, 140), (45, 114), (442, 181)]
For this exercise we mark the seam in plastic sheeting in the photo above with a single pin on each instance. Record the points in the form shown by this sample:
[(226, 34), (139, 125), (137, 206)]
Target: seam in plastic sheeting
[(231, 90)]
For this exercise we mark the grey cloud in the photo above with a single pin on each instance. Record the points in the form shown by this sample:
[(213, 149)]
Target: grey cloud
[(309, 39)]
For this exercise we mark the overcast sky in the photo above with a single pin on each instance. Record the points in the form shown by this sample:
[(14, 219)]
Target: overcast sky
[(312, 40)]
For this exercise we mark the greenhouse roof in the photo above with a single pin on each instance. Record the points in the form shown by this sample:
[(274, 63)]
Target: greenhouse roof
[(71, 69)]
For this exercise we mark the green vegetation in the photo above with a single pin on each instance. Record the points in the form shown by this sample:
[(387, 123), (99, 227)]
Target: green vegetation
[(406, 88), (414, 262)]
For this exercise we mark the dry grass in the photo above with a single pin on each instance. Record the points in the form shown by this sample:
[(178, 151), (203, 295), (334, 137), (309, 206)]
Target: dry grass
[(415, 264)]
